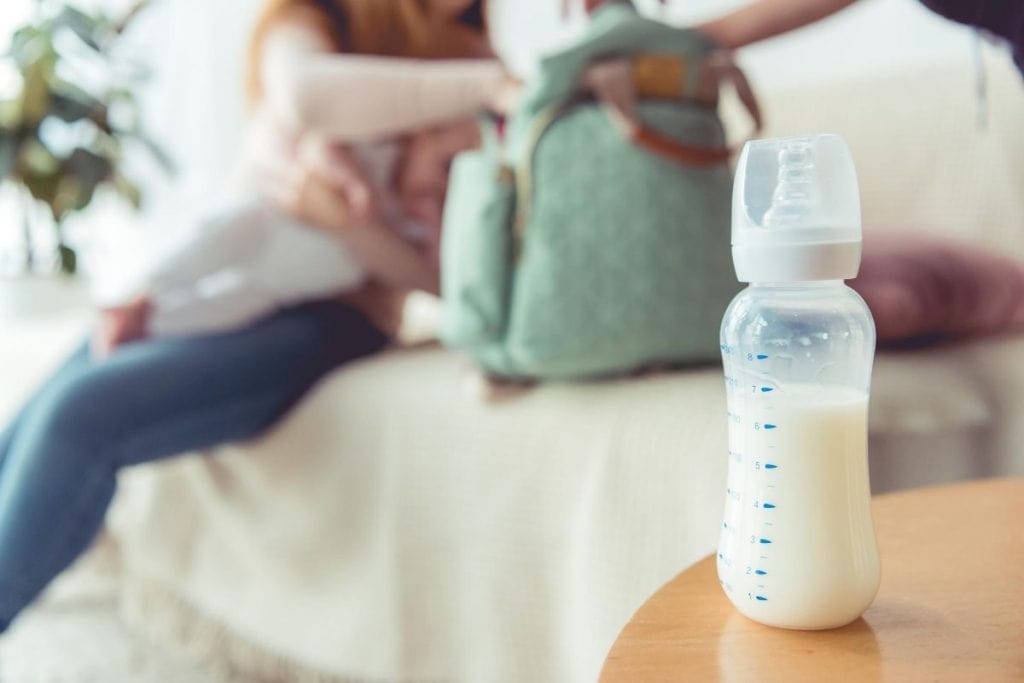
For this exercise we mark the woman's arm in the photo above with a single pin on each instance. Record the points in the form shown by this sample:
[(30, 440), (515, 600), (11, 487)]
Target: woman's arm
[(768, 18), (354, 97), (387, 257)]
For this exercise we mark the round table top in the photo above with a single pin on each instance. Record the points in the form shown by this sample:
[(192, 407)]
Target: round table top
[(950, 606)]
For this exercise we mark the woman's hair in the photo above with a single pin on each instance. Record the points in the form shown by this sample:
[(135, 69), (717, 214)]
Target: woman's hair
[(391, 28)]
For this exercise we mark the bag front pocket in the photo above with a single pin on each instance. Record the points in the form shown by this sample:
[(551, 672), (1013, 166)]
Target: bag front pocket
[(476, 249)]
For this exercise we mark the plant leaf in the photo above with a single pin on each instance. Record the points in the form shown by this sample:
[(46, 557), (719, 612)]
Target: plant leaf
[(44, 187), (8, 153), (155, 150), (88, 168), (69, 191), (35, 94), (88, 28), (130, 15), (36, 160), (68, 259), (129, 190), (74, 105), (83, 198), (24, 47), (10, 114)]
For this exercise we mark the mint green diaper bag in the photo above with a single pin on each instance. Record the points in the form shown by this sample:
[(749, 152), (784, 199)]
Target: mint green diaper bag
[(573, 247)]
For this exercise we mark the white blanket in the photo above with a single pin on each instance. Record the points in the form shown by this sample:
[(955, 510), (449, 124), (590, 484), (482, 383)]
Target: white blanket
[(397, 528)]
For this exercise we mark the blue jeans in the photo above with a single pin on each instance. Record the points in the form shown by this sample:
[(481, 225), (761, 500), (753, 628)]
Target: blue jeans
[(149, 400)]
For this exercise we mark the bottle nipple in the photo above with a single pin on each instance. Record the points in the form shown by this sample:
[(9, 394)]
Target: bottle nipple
[(796, 211), (796, 194)]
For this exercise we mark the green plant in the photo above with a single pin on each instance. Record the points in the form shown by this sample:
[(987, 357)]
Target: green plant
[(64, 131)]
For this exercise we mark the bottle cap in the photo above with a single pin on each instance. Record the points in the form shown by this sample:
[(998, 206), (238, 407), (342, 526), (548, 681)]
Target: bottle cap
[(796, 211)]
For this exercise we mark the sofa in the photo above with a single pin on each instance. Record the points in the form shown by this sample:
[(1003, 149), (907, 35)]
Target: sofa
[(396, 527)]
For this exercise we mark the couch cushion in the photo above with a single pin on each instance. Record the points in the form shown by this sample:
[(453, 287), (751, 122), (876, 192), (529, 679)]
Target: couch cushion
[(920, 287)]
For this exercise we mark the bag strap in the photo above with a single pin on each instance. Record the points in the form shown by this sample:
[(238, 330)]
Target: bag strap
[(523, 173), (620, 83)]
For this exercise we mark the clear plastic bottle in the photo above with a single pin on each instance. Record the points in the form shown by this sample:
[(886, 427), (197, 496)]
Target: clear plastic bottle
[(797, 546)]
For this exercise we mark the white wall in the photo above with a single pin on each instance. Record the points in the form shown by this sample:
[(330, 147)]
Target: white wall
[(870, 36)]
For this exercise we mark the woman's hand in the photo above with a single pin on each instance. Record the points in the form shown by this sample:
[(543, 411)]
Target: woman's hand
[(335, 166), (118, 325), (326, 200), (612, 82), (505, 97), (321, 183), (761, 20), (315, 199)]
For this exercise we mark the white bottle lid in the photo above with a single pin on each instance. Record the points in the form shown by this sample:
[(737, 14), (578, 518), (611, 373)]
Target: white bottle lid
[(796, 211)]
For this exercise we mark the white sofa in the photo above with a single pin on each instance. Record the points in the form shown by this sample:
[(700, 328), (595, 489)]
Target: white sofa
[(397, 528)]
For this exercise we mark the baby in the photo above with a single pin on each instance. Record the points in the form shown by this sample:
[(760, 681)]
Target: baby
[(252, 258)]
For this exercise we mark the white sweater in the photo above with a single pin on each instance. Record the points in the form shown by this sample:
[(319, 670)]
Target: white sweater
[(249, 258)]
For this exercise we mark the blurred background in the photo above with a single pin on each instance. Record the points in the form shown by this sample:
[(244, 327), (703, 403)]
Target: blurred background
[(193, 102), (903, 86)]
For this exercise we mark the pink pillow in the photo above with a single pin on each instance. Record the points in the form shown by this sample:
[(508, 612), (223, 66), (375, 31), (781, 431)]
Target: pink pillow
[(921, 288)]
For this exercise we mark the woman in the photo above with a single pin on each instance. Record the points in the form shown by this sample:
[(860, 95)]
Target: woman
[(126, 404)]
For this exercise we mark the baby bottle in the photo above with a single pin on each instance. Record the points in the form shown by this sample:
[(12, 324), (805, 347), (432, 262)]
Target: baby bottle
[(797, 547)]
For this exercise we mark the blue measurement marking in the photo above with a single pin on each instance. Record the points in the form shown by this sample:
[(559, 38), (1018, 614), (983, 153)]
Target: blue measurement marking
[(762, 598), (770, 506), (771, 426), (761, 572), (765, 541), (770, 466), (762, 356), (767, 390)]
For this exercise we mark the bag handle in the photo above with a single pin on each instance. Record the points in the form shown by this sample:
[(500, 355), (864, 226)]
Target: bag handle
[(620, 83)]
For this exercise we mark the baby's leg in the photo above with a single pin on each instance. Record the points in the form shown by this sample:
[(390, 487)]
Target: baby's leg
[(207, 285), (224, 302), (293, 263)]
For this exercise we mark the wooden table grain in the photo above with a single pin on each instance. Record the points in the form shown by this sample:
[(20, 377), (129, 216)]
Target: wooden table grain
[(950, 607)]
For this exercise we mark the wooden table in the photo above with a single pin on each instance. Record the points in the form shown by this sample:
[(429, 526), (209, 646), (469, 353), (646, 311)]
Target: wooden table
[(950, 607)]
